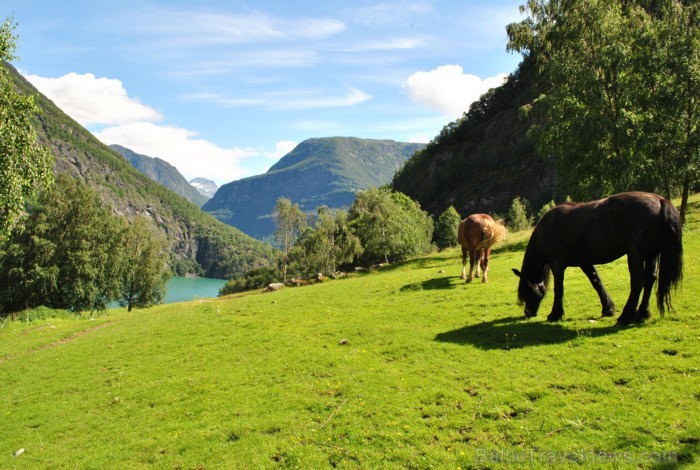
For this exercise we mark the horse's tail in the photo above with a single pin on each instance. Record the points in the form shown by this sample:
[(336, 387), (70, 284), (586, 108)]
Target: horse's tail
[(671, 258), (494, 231)]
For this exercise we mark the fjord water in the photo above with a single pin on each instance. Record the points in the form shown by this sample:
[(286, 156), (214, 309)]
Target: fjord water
[(182, 289)]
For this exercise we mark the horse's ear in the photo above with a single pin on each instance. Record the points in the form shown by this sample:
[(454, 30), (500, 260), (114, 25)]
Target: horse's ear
[(516, 272)]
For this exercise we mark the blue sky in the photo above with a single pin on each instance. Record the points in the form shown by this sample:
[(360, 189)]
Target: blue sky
[(223, 89)]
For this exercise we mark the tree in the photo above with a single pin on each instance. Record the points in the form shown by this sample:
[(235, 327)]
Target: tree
[(24, 164), (65, 253), (620, 92), (290, 221), (667, 71), (517, 215), (544, 209), (347, 245), (446, 228), (325, 246), (144, 272), (390, 226)]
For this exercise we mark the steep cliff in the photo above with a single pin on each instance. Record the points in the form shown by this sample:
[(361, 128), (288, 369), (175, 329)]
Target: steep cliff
[(481, 162)]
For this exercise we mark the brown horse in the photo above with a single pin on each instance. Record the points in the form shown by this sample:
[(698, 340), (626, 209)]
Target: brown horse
[(477, 234), (644, 226)]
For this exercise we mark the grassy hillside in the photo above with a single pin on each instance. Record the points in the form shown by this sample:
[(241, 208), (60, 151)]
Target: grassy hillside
[(406, 367)]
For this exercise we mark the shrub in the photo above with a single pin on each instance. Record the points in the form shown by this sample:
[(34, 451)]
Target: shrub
[(446, 228), (518, 218)]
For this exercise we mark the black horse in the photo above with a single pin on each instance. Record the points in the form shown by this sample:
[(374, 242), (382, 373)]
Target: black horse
[(644, 226)]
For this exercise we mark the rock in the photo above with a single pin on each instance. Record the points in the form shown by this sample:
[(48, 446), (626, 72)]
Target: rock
[(294, 282), (274, 286), (19, 452), (343, 342)]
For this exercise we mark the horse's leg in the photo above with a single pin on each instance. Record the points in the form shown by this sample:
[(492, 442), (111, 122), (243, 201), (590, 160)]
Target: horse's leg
[(485, 263), (478, 254), (605, 300), (649, 279), (472, 258), (464, 263), (557, 312), (635, 263)]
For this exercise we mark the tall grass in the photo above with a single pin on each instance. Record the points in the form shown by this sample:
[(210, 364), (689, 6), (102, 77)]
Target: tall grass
[(406, 367)]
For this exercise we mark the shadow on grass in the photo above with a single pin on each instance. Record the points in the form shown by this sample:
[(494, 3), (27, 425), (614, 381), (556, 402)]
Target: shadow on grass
[(431, 284), (517, 332)]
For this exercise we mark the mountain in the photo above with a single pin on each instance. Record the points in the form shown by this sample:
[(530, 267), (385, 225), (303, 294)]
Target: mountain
[(162, 172), (206, 187), (324, 171), (481, 162), (199, 241)]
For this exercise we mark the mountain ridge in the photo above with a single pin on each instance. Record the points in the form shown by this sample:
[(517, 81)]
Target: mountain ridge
[(204, 186), (318, 171), (162, 172)]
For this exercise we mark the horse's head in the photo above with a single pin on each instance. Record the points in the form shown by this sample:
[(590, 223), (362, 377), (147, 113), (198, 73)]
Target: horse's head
[(530, 293)]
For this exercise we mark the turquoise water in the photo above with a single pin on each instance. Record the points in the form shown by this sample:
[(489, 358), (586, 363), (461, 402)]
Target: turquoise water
[(181, 289)]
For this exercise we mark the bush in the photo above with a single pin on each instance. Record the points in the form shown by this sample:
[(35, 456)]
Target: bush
[(518, 218), (253, 279), (545, 209), (446, 228), (390, 226)]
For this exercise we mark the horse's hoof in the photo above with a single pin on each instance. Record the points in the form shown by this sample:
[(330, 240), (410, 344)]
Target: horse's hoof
[(554, 317), (608, 313), (626, 320), (643, 315)]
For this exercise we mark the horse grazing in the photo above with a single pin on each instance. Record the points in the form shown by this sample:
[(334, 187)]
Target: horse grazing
[(644, 226), (477, 234)]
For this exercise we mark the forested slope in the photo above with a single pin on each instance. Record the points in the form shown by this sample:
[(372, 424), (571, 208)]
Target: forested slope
[(197, 238)]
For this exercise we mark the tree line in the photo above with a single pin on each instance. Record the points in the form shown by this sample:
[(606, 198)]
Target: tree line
[(619, 93), (68, 251), (381, 226)]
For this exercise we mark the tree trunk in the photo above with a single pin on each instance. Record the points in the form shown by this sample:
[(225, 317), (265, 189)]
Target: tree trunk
[(684, 198)]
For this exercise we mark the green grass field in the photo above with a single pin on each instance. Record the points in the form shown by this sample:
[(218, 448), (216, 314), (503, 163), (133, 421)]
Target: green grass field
[(405, 367)]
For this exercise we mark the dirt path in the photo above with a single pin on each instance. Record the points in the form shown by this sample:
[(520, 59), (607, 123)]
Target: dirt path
[(65, 340)]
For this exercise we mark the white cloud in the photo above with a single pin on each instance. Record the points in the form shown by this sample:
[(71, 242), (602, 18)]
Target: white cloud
[(448, 89), (421, 139), (282, 148), (191, 156), (91, 100), (352, 97), (287, 99), (194, 28), (103, 101)]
